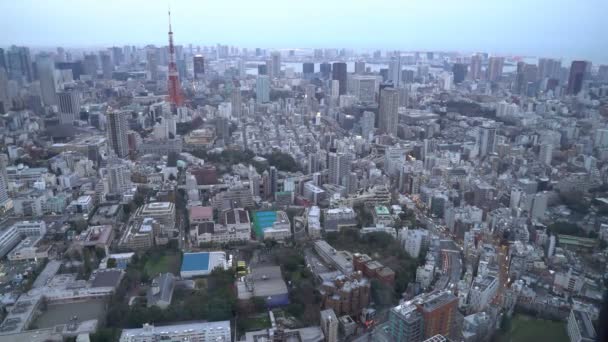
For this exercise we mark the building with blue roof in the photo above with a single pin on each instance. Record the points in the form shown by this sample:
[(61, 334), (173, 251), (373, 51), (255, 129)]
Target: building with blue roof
[(202, 263)]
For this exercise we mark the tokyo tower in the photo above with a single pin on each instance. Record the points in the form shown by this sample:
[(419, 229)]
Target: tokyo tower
[(175, 96)]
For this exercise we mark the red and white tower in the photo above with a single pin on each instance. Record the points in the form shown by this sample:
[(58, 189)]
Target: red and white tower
[(175, 96)]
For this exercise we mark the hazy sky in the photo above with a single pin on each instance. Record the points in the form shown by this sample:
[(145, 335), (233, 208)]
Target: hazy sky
[(559, 28)]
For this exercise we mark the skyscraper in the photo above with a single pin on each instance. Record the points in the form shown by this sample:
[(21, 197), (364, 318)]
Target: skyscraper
[(90, 65), (69, 106), (45, 68), (368, 121), (495, 66), (3, 180), (549, 68), (339, 74), (389, 109), (262, 89), (308, 70), (460, 72), (270, 69), (577, 76), (276, 64), (198, 63), (2, 59), (19, 63), (262, 69), (117, 128), (273, 178), (235, 101), (394, 71), (339, 167), (487, 140), (106, 66), (325, 69), (475, 70), (365, 87), (359, 67)]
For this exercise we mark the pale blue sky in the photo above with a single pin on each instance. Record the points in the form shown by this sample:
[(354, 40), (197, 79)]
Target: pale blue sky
[(559, 28)]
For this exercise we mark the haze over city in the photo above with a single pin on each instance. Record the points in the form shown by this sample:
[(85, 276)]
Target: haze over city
[(567, 29)]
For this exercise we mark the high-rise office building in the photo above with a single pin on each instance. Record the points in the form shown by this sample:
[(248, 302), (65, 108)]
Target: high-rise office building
[(407, 76), (308, 70), (460, 72), (487, 140), (90, 65), (2, 59), (549, 68), (152, 63), (339, 167), (578, 69), (262, 89), (45, 68), (359, 67), (325, 70), (262, 69), (389, 110), (495, 66), (242, 68), (198, 64), (276, 64), (235, 101), (117, 128), (4, 92), (106, 66), (394, 71), (475, 69), (270, 69), (19, 62), (368, 120), (274, 179), (3, 180), (69, 106), (365, 87), (339, 74)]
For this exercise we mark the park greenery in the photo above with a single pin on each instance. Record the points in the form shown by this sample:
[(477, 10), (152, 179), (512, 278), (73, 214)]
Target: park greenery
[(214, 301)]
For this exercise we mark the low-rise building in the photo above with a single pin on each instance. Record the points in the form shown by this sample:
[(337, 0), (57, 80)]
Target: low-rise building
[(339, 218), (193, 331), (341, 260), (272, 225), (201, 264), (160, 291), (382, 216)]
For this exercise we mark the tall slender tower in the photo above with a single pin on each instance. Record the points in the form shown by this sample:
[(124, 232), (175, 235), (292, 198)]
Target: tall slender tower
[(175, 96)]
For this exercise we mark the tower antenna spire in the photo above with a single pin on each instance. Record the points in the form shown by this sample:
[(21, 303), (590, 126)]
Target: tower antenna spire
[(175, 97)]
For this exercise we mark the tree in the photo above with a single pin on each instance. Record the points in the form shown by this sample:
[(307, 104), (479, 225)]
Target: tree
[(111, 263)]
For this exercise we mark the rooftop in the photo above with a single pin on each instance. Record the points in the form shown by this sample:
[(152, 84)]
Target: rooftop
[(195, 261), (200, 213)]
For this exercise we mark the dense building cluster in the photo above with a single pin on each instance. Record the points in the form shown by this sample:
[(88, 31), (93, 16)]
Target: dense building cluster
[(488, 173)]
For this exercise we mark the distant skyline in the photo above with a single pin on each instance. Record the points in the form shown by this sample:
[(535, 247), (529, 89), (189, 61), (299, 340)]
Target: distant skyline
[(567, 29)]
